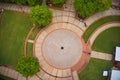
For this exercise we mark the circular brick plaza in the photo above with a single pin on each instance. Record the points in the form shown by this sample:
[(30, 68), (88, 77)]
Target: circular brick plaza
[(62, 48)]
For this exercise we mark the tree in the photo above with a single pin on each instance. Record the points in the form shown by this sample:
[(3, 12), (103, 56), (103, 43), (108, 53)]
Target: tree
[(34, 2), (28, 66), (58, 3), (86, 8), (21, 2), (41, 15)]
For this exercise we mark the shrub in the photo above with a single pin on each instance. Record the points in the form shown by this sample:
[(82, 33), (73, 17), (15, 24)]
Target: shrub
[(41, 15), (88, 7), (34, 2), (58, 3), (21, 2), (28, 66), (7, 0)]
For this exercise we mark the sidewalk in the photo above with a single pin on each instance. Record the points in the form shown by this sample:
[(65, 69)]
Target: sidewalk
[(66, 19), (101, 29), (100, 15), (100, 55), (8, 72), (14, 7)]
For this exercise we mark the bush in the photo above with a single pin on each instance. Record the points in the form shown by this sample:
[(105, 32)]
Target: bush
[(28, 66), (58, 3), (88, 7), (7, 0), (41, 15), (34, 2), (21, 2)]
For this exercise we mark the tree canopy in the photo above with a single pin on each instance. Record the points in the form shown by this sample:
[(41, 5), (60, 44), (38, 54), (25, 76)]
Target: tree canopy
[(41, 15), (34, 2), (24, 2), (88, 7), (58, 3), (28, 66)]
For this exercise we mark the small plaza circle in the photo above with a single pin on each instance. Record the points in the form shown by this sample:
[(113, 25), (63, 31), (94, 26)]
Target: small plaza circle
[(62, 48)]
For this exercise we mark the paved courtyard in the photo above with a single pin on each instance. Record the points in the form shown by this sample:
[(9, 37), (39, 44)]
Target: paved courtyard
[(62, 48), (61, 51)]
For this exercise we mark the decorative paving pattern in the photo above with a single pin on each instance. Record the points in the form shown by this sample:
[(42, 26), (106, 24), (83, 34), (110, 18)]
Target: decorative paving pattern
[(62, 48), (101, 29), (11, 73), (69, 33), (62, 20)]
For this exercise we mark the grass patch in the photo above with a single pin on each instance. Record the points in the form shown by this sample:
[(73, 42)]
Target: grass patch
[(107, 40), (34, 33), (14, 27), (94, 70), (29, 49), (98, 23)]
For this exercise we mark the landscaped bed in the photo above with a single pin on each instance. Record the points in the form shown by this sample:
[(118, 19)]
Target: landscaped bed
[(98, 23), (107, 40), (94, 70), (14, 27)]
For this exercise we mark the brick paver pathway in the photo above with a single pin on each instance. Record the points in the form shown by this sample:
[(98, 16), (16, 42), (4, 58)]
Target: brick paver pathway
[(101, 29), (63, 19), (69, 6), (100, 55), (97, 16), (11, 73), (14, 7), (92, 38)]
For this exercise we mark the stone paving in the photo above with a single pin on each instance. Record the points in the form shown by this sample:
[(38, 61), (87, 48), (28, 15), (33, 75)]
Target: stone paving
[(92, 38), (60, 41), (14, 7), (9, 72), (69, 6), (100, 55), (66, 20), (101, 29)]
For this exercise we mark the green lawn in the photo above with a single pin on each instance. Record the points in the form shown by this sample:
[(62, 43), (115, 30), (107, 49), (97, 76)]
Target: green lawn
[(29, 49), (98, 23), (34, 33), (94, 70), (107, 40), (14, 27)]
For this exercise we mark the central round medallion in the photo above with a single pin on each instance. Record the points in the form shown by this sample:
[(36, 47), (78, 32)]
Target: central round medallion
[(62, 48)]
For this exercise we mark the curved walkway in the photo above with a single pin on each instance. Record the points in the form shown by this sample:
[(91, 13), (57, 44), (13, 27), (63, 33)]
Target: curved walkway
[(64, 18), (97, 16), (10, 73), (101, 29), (50, 69), (92, 38)]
